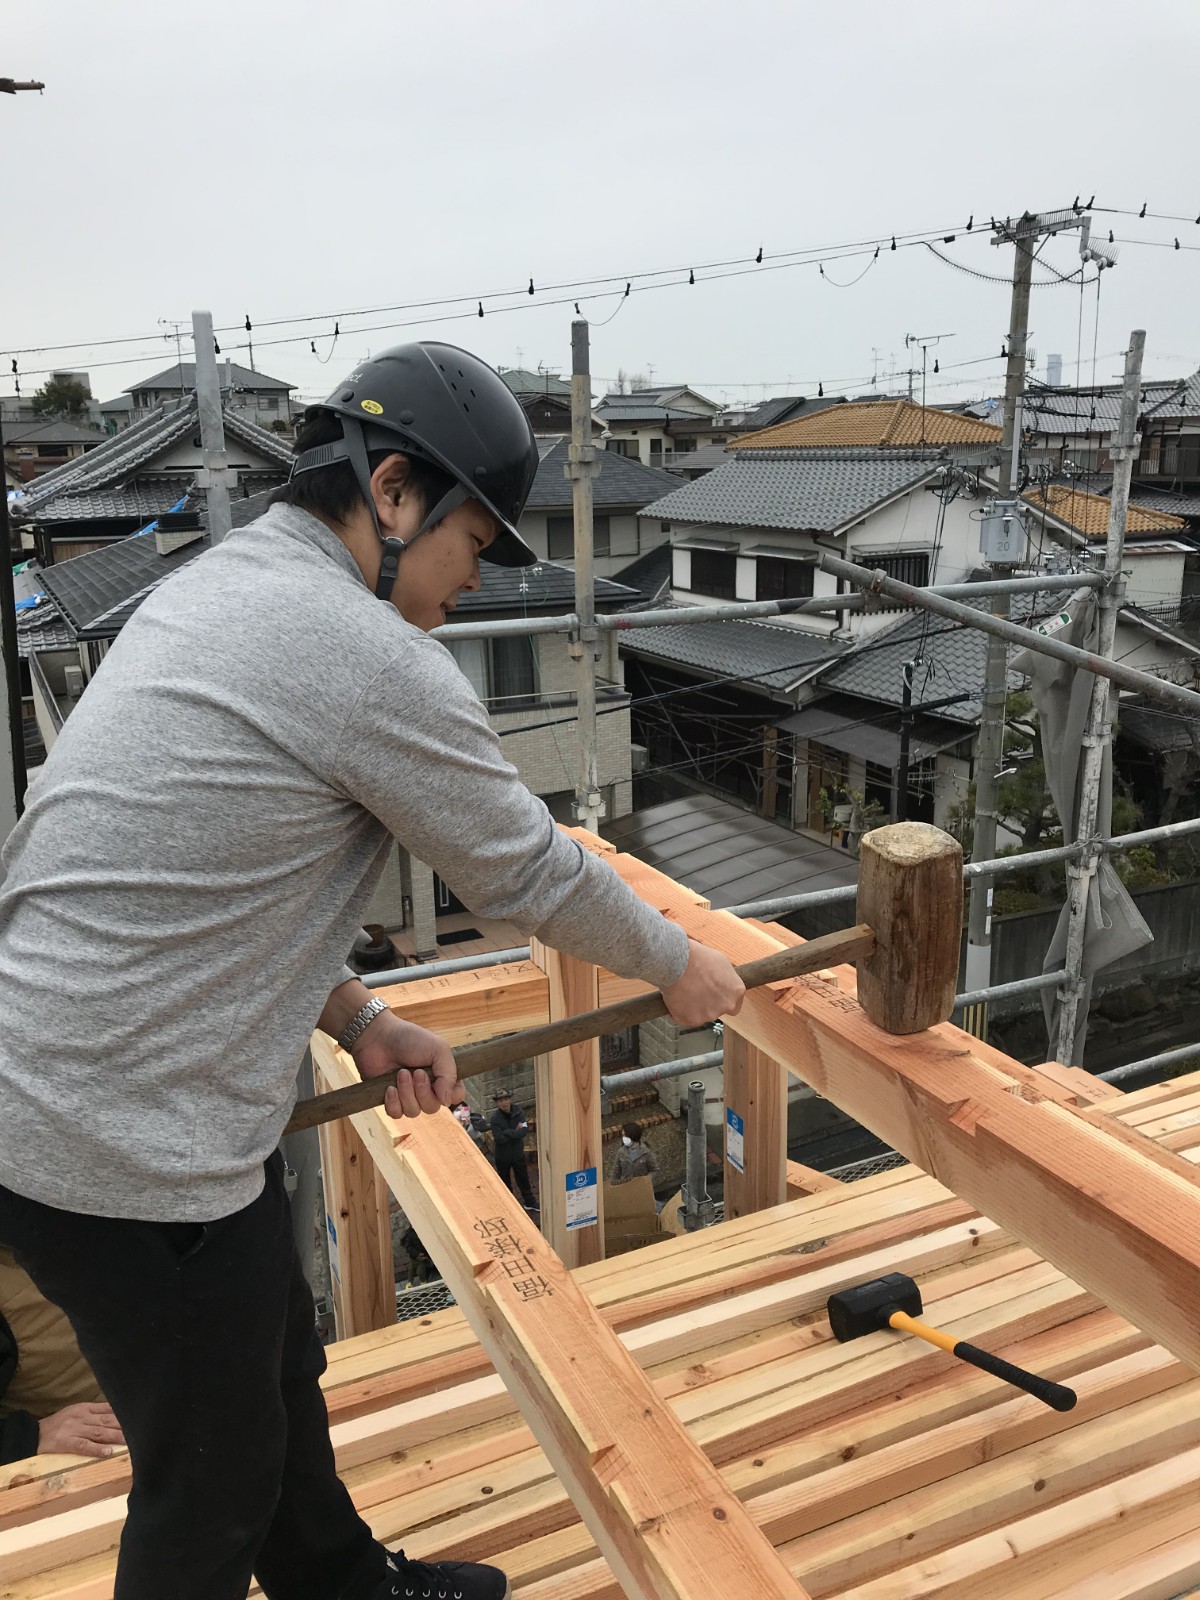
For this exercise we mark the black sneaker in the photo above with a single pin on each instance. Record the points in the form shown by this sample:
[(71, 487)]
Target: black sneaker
[(441, 1580)]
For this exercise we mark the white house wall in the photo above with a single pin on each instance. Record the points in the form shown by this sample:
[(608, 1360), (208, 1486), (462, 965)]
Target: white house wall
[(907, 525), (629, 537), (186, 456)]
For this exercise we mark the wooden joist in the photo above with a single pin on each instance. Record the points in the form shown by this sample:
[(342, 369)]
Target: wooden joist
[(821, 1442), (1121, 1217), (663, 1517)]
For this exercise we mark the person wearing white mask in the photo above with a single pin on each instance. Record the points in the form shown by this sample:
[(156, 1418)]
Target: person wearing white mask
[(634, 1159)]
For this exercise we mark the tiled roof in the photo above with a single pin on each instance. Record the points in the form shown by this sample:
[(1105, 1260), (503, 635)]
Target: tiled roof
[(956, 653), (524, 383), (628, 409), (813, 489), (1084, 411), (1183, 400), (98, 592), (181, 375), (727, 855), (42, 627), (148, 497), (619, 481), (878, 424), (1088, 513), (544, 587), (114, 464), (760, 653), (1175, 502), (650, 574), (52, 431)]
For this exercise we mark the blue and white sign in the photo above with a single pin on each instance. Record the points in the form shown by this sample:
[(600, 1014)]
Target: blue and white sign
[(334, 1261), (735, 1141), (582, 1198)]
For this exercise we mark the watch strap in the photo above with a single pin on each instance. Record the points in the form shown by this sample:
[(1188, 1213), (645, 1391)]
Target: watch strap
[(360, 1022)]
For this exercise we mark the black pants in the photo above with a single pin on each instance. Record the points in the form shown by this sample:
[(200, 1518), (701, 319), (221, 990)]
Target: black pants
[(202, 1338), (510, 1166)]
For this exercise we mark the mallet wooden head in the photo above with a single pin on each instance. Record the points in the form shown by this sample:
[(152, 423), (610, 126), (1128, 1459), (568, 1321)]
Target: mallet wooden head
[(866, 1308), (910, 892)]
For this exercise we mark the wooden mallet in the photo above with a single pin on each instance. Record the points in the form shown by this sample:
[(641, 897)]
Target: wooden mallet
[(895, 1302), (906, 947)]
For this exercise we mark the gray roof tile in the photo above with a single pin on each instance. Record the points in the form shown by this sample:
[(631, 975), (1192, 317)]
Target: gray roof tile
[(618, 481), (181, 375), (796, 489), (115, 464), (525, 384), (52, 430), (761, 653), (955, 656)]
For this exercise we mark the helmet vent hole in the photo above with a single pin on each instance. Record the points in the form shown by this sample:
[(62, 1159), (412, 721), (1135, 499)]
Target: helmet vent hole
[(466, 407)]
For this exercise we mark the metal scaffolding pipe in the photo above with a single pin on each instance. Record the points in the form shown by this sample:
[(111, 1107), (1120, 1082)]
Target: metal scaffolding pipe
[(1027, 638), (1001, 991), (1165, 1058), (440, 969), (668, 616), (784, 905), (619, 1081)]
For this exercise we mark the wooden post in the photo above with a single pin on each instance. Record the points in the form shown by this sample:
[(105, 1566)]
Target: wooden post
[(358, 1232), (570, 1156), (755, 1128)]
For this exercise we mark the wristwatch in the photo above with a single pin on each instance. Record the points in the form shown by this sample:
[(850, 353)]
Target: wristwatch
[(360, 1022)]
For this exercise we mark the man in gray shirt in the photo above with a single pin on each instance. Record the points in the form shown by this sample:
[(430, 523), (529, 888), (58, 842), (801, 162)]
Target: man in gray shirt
[(178, 900)]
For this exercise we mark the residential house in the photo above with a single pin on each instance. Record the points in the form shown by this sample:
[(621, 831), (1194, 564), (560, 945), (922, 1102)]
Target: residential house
[(19, 408), (755, 528), (255, 396), (136, 475), (621, 488), (34, 448), (652, 424), (545, 398), (1161, 564)]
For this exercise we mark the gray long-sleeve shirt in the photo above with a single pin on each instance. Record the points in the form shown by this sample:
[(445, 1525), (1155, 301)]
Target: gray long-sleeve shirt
[(199, 850)]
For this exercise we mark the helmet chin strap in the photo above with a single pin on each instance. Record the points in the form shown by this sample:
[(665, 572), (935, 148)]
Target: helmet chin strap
[(352, 448)]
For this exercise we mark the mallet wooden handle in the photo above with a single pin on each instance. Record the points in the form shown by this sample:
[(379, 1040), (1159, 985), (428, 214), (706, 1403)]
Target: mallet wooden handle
[(1052, 1394), (830, 949)]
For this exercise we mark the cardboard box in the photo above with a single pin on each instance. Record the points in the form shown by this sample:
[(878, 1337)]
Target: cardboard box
[(630, 1220)]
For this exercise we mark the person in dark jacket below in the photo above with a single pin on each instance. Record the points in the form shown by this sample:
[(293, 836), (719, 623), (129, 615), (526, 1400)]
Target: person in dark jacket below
[(50, 1402), (634, 1159), (509, 1127)]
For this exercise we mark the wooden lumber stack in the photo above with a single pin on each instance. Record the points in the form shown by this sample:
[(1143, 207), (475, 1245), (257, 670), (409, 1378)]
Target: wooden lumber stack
[(879, 1470)]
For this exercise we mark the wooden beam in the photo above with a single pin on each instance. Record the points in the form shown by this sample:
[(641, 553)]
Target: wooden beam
[(567, 1086), (802, 1180), (659, 1511), (1116, 1218), (755, 1128), (358, 1231)]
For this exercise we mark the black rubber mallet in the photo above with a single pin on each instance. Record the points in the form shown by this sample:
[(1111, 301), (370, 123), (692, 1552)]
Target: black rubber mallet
[(895, 1302)]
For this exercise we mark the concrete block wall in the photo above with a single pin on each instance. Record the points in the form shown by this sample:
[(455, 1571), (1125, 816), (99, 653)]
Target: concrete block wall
[(547, 759)]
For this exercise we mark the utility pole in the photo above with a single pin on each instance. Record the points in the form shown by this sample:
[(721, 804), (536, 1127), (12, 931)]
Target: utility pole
[(584, 644), (13, 774), (213, 477), (1002, 555), (1097, 741)]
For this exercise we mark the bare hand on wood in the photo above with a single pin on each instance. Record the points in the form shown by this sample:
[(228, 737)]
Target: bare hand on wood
[(88, 1429), (709, 988), (426, 1076)]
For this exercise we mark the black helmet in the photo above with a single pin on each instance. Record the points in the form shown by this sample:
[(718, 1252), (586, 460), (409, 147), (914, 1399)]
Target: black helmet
[(451, 409)]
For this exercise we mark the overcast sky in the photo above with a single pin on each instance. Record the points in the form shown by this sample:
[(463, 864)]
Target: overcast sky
[(307, 158)]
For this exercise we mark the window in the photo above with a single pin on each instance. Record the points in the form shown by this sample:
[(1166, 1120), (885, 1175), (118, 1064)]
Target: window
[(777, 578), (714, 572), (497, 669), (624, 447), (560, 537), (270, 402), (912, 569)]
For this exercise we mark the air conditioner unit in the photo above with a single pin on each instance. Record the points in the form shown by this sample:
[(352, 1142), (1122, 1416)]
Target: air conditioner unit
[(73, 682)]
